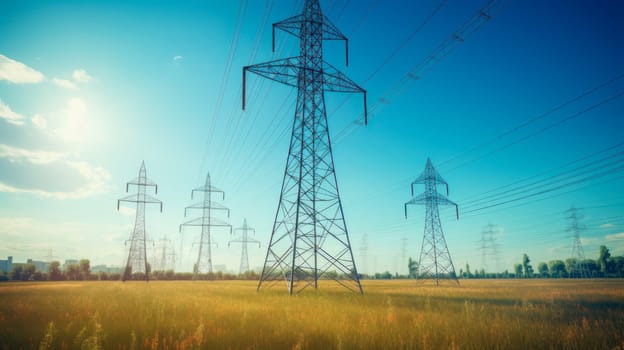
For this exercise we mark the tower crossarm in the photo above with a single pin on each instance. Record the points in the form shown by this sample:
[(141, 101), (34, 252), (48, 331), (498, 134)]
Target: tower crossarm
[(438, 198), (139, 198), (142, 182), (241, 240), (213, 222), (430, 175), (286, 71), (294, 24), (207, 205)]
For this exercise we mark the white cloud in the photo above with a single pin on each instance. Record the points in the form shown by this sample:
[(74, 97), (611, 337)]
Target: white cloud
[(126, 211), (81, 76), (17, 72), (615, 237), (177, 58), (97, 182), (66, 84), (40, 122), (14, 154), (96, 179), (607, 225), (10, 116)]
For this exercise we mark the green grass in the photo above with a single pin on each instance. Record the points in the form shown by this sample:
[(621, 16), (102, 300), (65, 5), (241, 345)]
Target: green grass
[(480, 314)]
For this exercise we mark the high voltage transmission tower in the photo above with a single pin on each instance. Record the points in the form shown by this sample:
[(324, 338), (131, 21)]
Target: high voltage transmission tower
[(206, 222), (137, 256), (578, 268), (364, 254), (489, 248), (165, 258), (435, 260), (243, 240), (309, 236)]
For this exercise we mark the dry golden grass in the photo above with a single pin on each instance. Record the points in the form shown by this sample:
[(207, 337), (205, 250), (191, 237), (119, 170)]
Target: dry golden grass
[(488, 314)]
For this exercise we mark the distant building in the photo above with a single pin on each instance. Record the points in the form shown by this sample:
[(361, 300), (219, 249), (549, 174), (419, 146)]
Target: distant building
[(6, 265), (104, 268), (70, 262), (39, 265)]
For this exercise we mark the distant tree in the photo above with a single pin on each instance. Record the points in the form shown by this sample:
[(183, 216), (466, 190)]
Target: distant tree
[(592, 267), (603, 260), (412, 266), (542, 269), (39, 276), (17, 272), (468, 273), (518, 270), (72, 272), (617, 264), (526, 266), (85, 269), (54, 271), (557, 268)]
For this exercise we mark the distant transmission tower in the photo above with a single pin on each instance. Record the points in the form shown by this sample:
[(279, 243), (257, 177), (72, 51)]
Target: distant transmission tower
[(579, 269), (206, 222), (435, 260), (166, 255), (243, 240), (489, 248), (364, 254), (403, 264), (137, 256), (309, 236)]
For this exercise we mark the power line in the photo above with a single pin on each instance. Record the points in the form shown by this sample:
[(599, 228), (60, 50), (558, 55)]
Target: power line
[(535, 119)]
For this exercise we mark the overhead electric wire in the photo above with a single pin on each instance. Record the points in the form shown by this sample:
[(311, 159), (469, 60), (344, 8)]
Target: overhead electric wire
[(534, 119), (471, 26), (546, 128), (563, 175), (242, 7)]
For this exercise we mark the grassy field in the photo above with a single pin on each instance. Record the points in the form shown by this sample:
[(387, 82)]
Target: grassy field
[(480, 314)]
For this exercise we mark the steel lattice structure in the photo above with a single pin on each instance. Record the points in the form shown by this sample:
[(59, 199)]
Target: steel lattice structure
[(579, 268), (165, 259), (243, 240), (137, 255), (309, 236), (489, 248), (435, 260), (206, 222)]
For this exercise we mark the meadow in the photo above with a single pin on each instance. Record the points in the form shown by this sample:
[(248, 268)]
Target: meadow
[(399, 314)]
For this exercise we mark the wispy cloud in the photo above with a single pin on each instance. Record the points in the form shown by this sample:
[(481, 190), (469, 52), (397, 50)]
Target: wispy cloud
[(66, 84), (81, 76), (94, 180), (39, 122), (177, 59), (14, 154), (11, 117), (615, 237), (607, 225), (17, 72)]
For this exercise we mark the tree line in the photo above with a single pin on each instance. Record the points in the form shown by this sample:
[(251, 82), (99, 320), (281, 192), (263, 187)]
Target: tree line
[(605, 266)]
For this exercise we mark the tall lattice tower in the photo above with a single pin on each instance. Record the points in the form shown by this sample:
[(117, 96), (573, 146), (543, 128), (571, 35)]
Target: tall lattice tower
[(489, 248), (309, 236), (137, 256), (579, 269), (206, 222), (243, 239), (435, 260), (164, 255)]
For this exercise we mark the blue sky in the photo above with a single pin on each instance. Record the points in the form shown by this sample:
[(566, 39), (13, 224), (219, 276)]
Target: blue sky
[(88, 90)]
